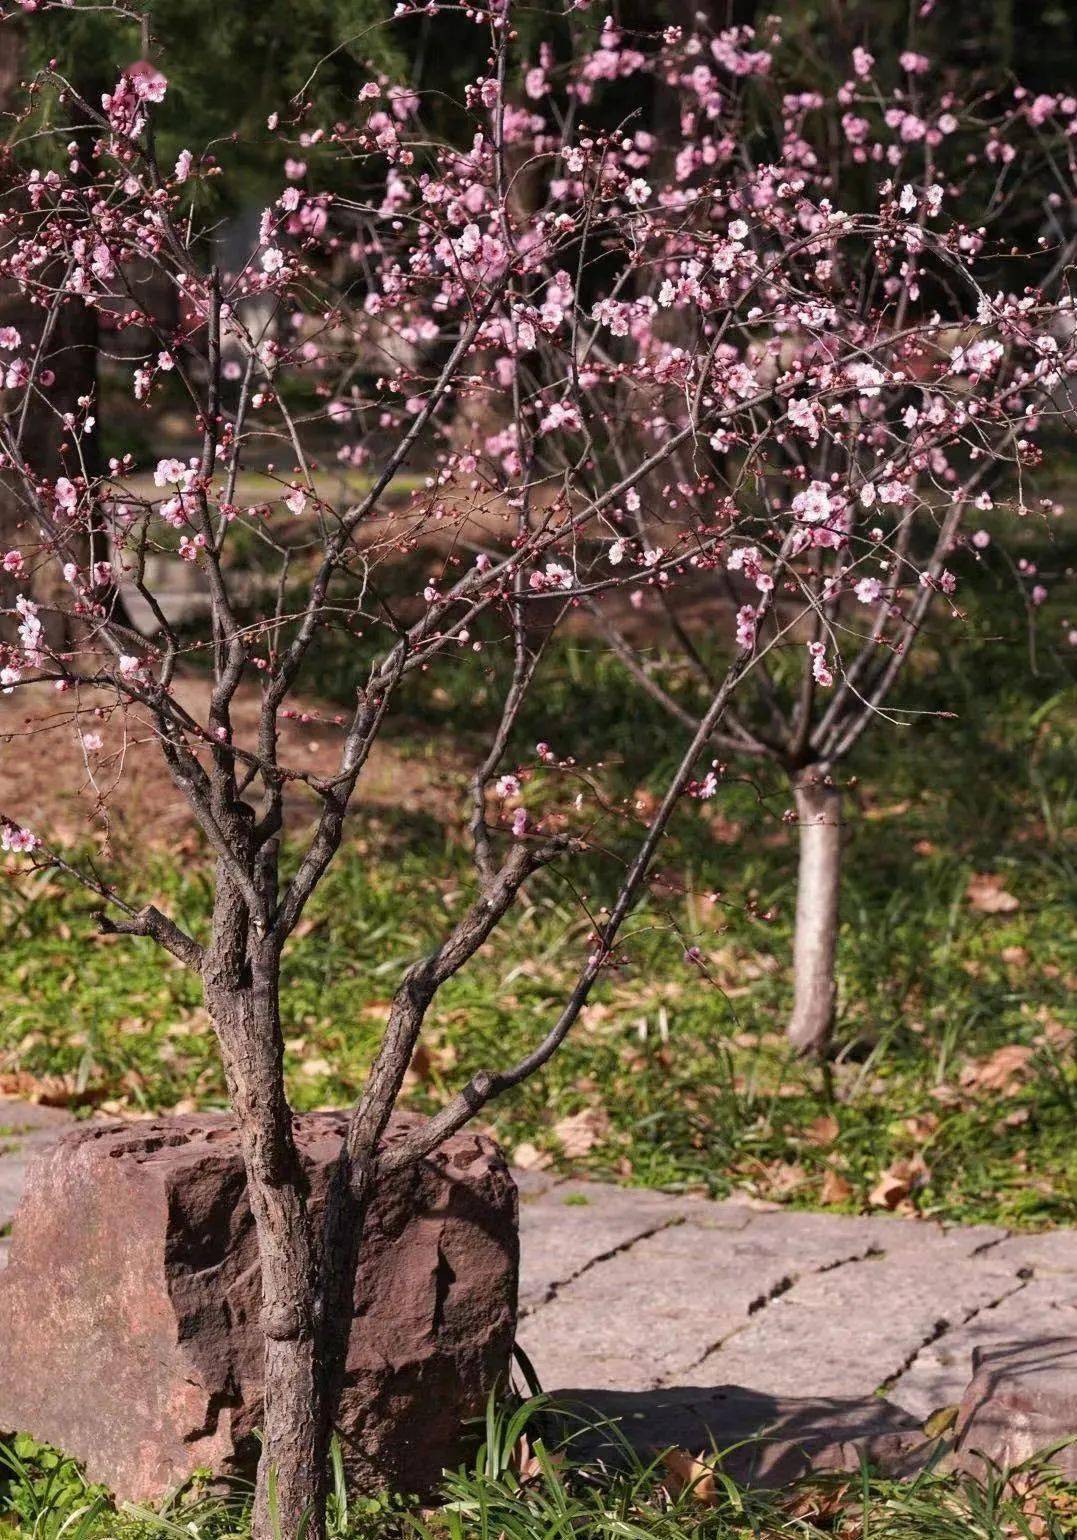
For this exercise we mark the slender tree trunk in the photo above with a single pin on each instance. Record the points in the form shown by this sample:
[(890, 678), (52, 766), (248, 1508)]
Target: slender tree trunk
[(242, 991), (818, 806)]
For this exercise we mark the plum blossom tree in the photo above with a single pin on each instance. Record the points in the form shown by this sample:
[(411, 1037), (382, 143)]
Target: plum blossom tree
[(915, 376), (380, 310)]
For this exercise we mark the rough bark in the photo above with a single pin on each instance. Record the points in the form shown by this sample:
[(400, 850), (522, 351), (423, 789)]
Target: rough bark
[(242, 990), (818, 807)]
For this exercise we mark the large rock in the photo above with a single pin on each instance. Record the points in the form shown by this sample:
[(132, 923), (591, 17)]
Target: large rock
[(1021, 1401), (129, 1310)]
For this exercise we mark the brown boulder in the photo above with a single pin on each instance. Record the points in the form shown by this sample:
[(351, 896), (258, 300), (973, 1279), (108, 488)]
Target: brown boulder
[(129, 1309), (1021, 1401)]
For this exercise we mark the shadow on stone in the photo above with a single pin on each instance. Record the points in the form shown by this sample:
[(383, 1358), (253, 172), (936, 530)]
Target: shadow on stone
[(762, 1440)]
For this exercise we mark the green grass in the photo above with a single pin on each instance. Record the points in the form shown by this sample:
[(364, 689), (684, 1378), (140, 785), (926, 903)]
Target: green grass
[(685, 1074), (527, 1481)]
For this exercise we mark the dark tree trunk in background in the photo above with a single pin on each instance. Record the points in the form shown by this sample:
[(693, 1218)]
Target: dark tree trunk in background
[(818, 807)]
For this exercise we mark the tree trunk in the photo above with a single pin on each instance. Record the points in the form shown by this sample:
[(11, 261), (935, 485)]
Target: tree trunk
[(242, 991), (818, 806)]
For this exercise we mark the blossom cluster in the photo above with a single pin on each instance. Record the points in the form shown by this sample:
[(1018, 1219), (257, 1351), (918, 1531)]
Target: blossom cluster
[(769, 368)]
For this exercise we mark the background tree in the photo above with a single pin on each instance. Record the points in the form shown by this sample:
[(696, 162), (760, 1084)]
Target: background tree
[(920, 324)]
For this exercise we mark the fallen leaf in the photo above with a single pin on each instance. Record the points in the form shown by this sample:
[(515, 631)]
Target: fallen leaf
[(1014, 956), (940, 1421), (899, 1181), (528, 1157), (835, 1189), (593, 1015), (1000, 1072), (921, 1126), (426, 1064), (51, 1090), (783, 1176), (1055, 1035), (816, 1504), (307, 926), (377, 1010), (530, 1466), (947, 1095), (724, 830), (893, 810), (889, 1191), (581, 1131), (690, 1473), (986, 894), (823, 1130)]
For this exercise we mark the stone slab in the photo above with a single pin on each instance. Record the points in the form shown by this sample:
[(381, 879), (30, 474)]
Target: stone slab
[(21, 1119), (25, 1130), (1053, 1251), (654, 1311), (572, 1225), (1042, 1310), (846, 1332)]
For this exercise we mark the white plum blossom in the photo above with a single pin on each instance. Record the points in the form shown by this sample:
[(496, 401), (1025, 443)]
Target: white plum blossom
[(169, 471), (15, 839), (868, 590), (804, 414), (747, 620), (821, 673)]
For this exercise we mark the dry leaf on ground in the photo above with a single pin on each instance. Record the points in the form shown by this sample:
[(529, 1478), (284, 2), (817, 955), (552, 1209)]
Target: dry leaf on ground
[(315, 1068), (1000, 1072), (51, 1090), (781, 1177), (823, 1130), (899, 1181), (528, 1157), (427, 1063), (817, 1505), (986, 894), (1054, 1035), (579, 1132), (688, 1471), (835, 1189)]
